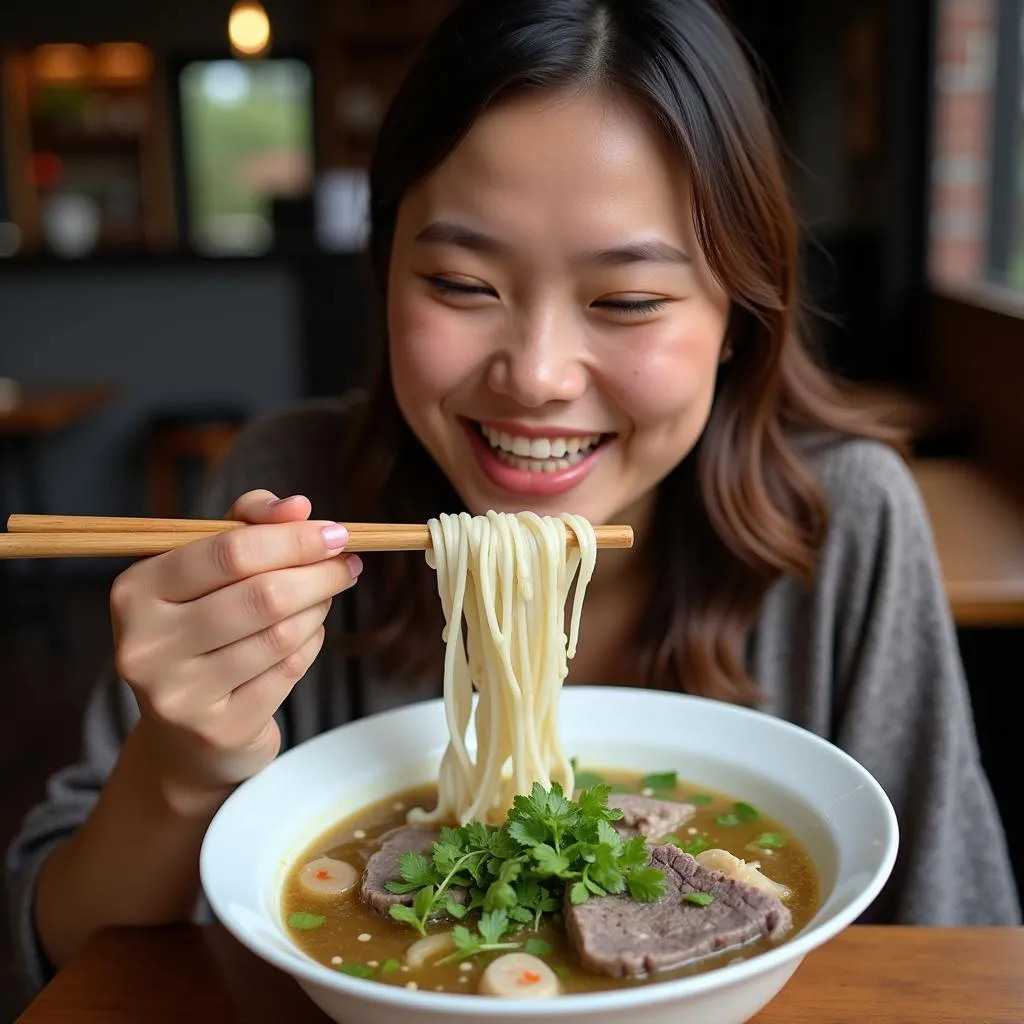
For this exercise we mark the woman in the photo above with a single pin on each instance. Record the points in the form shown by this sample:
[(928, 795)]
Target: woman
[(588, 272)]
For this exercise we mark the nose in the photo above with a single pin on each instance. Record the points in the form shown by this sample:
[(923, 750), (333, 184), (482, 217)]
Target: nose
[(541, 362)]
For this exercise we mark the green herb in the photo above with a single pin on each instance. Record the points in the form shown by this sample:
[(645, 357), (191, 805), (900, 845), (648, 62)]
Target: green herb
[(620, 787), (517, 873), (700, 799), (561, 970), (745, 812), (659, 780), (698, 844), (770, 841), (390, 966), (305, 921), (537, 947), (647, 885), (739, 814), (356, 970), (587, 780), (702, 899)]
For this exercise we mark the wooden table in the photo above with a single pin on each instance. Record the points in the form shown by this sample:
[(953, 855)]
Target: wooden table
[(867, 974), (978, 524), (45, 410)]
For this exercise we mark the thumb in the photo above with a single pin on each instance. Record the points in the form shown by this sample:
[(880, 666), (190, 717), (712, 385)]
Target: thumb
[(266, 507)]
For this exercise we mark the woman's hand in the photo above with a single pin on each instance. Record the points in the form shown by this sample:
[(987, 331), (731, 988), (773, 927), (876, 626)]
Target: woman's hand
[(212, 636)]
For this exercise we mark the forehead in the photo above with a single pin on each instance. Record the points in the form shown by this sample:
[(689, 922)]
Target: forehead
[(588, 163)]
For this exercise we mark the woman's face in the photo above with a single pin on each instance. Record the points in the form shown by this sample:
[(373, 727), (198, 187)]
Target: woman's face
[(554, 331)]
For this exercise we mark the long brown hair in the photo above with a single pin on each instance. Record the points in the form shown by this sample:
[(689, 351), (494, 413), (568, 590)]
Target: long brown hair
[(744, 506)]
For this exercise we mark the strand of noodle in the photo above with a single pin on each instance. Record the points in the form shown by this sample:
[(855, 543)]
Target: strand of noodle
[(508, 578)]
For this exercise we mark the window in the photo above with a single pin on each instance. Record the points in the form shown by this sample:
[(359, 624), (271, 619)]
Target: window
[(976, 224), (246, 140)]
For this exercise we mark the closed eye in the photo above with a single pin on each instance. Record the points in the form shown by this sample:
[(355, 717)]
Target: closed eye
[(446, 286), (632, 307)]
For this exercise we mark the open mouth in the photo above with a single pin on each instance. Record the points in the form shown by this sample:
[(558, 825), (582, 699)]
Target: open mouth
[(539, 454), (531, 464)]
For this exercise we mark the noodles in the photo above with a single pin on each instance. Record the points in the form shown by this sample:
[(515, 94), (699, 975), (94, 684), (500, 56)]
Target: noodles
[(508, 577)]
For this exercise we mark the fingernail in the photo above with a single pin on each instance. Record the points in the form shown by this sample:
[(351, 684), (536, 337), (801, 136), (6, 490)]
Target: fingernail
[(335, 536), (355, 565), (281, 501)]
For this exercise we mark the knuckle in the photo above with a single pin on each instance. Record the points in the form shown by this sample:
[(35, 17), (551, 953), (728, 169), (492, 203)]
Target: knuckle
[(282, 637), (232, 553), (293, 667), (268, 599), (122, 592), (165, 704)]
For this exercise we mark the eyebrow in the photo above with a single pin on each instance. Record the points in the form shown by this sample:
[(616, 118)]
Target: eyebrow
[(443, 232)]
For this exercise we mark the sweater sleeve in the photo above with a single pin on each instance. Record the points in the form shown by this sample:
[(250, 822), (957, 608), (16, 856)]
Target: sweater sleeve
[(286, 452), (901, 702), (71, 794)]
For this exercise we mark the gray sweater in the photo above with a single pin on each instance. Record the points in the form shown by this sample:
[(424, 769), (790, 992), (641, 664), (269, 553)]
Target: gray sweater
[(866, 657)]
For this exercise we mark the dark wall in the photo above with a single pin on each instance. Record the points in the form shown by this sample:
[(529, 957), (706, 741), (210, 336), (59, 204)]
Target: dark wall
[(164, 336), (167, 25)]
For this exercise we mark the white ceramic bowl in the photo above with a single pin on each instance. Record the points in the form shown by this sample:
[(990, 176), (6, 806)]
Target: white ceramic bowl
[(818, 792)]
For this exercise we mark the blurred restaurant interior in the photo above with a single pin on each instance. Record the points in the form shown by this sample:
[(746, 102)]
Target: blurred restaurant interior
[(182, 188)]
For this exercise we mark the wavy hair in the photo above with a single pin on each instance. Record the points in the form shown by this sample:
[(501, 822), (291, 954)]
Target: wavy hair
[(744, 506)]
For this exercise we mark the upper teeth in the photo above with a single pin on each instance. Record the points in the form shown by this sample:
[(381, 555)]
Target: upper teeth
[(539, 447)]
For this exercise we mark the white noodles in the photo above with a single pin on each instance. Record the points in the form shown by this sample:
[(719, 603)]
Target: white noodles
[(507, 578)]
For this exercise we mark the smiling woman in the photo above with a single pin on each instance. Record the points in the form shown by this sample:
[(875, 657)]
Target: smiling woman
[(537, 179)]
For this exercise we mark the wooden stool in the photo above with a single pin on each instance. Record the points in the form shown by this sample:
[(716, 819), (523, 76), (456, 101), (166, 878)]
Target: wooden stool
[(178, 438)]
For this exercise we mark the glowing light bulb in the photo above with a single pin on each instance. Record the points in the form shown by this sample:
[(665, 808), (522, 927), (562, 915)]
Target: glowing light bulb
[(249, 28)]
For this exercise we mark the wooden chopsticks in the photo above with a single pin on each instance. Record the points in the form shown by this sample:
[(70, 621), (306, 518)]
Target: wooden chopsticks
[(32, 536)]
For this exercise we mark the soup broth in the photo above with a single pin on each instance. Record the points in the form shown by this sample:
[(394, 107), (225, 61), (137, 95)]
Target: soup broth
[(342, 933)]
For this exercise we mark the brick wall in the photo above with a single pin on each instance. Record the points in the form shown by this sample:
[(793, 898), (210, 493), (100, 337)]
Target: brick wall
[(965, 80)]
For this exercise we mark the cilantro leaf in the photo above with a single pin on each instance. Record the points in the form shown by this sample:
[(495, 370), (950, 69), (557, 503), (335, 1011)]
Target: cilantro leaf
[(304, 921), (550, 862), (456, 910), (660, 780), (586, 780), (416, 869), (607, 836), (593, 803), (770, 841), (424, 902), (699, 799), (728, 820), (646, 885), (356, 970), (634, 853), (538, 947), (701, 899), (500, 895), (744, 811), (698, 844), (407, 915), (493, 924), (529, 832), (578, 894)]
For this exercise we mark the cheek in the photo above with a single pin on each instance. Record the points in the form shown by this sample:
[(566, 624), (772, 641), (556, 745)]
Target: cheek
[(427, 359), (670, 374)]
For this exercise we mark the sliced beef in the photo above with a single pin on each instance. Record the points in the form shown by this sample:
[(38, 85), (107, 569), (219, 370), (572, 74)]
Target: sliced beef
[(646, 816), (623, 938), (382, 867)]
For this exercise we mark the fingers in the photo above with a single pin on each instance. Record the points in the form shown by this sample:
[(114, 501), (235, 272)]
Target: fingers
[(209, 564), (256, 701), (267, 507), (255, 653), (193, 691), (245, 608)]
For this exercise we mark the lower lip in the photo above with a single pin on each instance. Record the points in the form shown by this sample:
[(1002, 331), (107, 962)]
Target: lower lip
[(523, 481)]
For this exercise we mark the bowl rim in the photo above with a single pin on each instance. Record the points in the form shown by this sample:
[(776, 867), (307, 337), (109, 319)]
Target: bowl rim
[(309, 972)]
